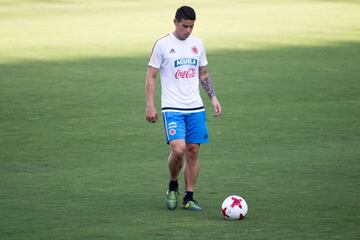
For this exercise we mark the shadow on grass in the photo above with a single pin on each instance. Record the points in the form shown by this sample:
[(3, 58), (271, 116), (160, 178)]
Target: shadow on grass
[(102, 99)]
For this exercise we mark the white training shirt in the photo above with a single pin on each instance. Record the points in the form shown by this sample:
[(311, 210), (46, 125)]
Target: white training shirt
[(179, 62)]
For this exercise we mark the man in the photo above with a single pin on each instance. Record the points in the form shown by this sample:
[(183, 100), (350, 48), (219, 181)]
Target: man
[(182, 61)]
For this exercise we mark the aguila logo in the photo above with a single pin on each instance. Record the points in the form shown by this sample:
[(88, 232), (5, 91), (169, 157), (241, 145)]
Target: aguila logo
[(190, 73)]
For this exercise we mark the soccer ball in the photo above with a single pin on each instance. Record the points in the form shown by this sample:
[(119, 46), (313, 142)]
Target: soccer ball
[(234, 208)]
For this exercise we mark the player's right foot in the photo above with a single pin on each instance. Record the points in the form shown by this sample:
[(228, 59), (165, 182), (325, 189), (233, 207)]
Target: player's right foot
[(172, 199)]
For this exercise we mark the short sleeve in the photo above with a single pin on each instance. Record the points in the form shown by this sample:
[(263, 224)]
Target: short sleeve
[(156, 56), (203, 59)]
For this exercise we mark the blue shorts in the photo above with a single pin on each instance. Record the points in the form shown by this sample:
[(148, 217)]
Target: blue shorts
[(188, 126)]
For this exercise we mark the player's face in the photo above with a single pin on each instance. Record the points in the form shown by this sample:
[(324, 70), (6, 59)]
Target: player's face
[(183, 28)]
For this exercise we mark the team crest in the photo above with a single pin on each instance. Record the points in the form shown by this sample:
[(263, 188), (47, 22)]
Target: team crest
[(172, 132), (194, 50)]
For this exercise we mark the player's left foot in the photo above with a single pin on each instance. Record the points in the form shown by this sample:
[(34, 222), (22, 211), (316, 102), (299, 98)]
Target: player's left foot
[(191, 205)]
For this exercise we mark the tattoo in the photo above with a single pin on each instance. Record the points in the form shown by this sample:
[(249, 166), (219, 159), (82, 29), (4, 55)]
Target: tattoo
[(206, 83)]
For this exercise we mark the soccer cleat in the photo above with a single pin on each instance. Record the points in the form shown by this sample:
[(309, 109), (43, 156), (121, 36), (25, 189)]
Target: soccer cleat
[(172, 199), (191, 205)]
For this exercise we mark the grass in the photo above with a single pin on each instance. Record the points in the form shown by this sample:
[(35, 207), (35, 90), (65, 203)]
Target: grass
[(78, 160)]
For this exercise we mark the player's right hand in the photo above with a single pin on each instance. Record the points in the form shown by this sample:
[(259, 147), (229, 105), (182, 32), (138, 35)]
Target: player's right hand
[(151, 114)]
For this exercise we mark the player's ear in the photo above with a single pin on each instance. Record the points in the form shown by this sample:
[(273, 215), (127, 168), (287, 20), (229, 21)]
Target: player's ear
[(175, 21)]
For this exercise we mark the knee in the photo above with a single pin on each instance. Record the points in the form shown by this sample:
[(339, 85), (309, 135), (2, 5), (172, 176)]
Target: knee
[(192, 152), (192, 149), (178, 150)]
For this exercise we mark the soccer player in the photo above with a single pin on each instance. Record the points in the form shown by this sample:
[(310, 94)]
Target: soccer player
[(181, 60)]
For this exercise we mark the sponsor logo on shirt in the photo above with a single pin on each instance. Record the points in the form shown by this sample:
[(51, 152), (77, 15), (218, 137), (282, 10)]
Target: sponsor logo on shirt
[(190, 73), (186, 61)]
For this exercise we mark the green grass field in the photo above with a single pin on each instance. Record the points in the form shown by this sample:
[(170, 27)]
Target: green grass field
[(79, 161)]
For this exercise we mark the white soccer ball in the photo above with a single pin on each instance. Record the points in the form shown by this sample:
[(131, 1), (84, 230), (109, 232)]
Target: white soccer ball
[(234, 208)]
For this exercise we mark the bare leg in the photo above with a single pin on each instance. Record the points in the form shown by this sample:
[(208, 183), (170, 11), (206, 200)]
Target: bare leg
[(175, 160), (191, 170)]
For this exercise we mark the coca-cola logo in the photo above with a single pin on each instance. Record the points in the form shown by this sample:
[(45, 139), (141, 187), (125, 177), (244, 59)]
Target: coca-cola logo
[(190, 73)]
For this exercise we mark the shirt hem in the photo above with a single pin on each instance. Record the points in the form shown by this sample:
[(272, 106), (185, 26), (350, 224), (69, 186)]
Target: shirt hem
[(184, 110)]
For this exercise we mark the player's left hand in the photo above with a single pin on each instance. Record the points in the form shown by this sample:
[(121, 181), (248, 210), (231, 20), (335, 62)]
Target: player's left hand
[(217, 106)]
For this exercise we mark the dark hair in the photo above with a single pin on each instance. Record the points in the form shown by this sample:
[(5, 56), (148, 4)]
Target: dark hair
[(186, 13)]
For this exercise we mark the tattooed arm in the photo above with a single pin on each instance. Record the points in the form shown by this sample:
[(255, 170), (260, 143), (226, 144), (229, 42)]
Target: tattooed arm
[(207, 85), (206, 82)]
